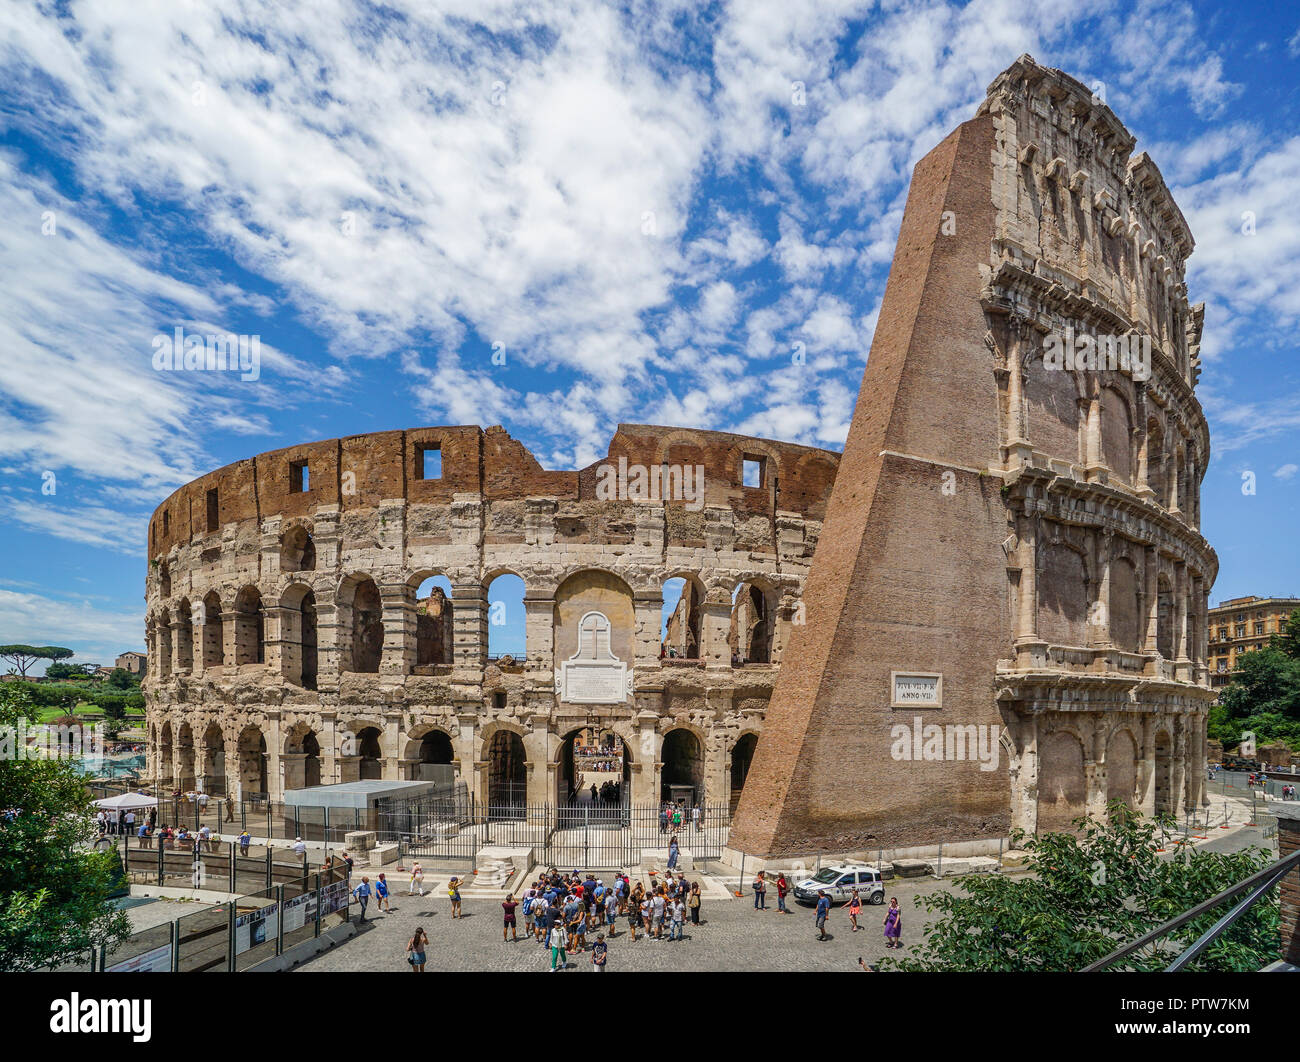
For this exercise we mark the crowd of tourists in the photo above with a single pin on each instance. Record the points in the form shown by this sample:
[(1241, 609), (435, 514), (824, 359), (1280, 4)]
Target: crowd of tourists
[(567, 913)]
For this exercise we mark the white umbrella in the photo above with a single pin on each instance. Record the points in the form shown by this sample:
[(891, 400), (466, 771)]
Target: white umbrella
[(127, 802)]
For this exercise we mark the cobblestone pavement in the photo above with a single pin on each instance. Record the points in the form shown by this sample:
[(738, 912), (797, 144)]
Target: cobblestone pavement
[(733, 937)]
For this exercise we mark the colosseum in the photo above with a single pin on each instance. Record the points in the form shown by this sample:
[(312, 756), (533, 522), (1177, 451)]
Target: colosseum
[(1004, 567), (324, 613), (1007, 609)]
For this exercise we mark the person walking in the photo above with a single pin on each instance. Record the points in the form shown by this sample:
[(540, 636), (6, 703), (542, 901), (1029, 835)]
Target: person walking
[(782, 887), (823, 909), (599, 954), (453, 890), (694, 902), (416, 948), (508, 905), (673, 852), (559, 941), (244, 842), (348, 863), (663, 819), (417, 881), (611, 911), (696, 820), (855, 909), (230, 808), (760, 891), (381, 894), (677, 818), (893, 925), (362, 893)]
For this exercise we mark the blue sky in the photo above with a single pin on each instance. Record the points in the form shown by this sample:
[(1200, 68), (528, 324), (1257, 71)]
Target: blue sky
[(646, 209)]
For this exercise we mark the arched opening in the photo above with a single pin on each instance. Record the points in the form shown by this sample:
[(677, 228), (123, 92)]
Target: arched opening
[(750, 637), (434, 628), (298, 646), (185, 759), (1062, 596), (1062, 789), (742, 756), (184, 661), (1155, 453), (507, 774), (213, 766), (250, 628), (214, 639), (370, 749), (506, 628), (362, 617), (252, 763), (594, 773), (682, 780), (1125, 606), (162, 637), (297, 551), (435, 750), (166, 762), (1121, 768), (304, 773), (680, 621)]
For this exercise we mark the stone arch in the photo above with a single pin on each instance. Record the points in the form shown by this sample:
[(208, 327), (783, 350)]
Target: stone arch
[(184, 657), (681, 620), (161, 637), (253, 758), (753, 622), (682, 756), (742, 757), (1117, 433), (572, 779), (297, 550), (1063, 594), (1162, 745), (1062, 789), (1121, 766), (1052, 409), (360, 614), (185, 757), (214, 638), (166, 754), (429, 743), (430, 592), (1125, 605), (507, 766), (588, 590), (299, 637), (250, 627), (507, 633), (212, 768), (301, 740)]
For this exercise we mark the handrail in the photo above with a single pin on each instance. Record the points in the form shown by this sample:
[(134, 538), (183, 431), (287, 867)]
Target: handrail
[(1260, 882)]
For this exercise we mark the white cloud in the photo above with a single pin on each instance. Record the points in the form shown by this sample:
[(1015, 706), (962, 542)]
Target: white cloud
[(36, 619), (1287, 471)]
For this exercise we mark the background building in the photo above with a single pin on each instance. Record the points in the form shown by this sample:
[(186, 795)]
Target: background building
[(1242, 625)]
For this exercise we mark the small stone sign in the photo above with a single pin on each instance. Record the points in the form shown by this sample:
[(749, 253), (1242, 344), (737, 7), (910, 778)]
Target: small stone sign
[(915, 689)]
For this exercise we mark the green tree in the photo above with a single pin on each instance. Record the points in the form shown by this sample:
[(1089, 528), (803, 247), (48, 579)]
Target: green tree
[(1091, 892), (121, 679), (24, 656), (54, 886)]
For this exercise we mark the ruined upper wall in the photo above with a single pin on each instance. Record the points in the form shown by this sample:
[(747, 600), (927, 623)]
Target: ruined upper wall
[(1077, 209), (360, 471)]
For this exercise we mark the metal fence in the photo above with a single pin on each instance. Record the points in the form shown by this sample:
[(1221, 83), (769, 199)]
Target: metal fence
[(239, 934), (583, 836)]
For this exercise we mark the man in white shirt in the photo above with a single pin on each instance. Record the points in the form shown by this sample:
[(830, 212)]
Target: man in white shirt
[(299, 846)]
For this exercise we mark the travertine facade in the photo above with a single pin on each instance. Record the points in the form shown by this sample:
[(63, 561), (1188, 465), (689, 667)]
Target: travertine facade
[(287, 646), (1027, 531)]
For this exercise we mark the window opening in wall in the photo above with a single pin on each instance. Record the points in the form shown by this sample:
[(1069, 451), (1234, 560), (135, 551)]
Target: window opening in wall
[(167, 522), (214, 510), (299, 477), (752, 471), (499, 701), (429, 462)]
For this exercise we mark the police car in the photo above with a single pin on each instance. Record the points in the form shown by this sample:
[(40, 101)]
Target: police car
[(838, 882)]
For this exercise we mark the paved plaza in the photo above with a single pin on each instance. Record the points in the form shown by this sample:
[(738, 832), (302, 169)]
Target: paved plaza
[(733, 936)]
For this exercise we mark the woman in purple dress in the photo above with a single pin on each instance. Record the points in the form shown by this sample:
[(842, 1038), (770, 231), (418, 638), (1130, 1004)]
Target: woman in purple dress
[(893, 925)]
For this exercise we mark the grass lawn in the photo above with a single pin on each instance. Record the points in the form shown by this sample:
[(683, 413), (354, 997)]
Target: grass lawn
[(48, 715)]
